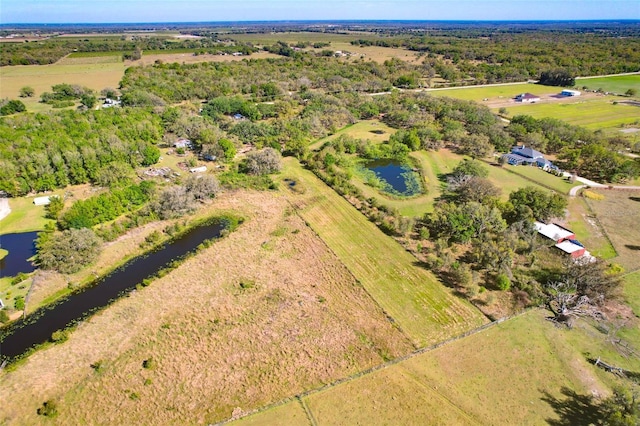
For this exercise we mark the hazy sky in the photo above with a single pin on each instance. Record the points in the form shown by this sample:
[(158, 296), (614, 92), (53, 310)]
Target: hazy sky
[(90, 11)]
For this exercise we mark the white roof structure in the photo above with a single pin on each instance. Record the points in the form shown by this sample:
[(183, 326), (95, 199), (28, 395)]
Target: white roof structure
[(571, 92), (200, 169), (569, 247), (41, 201), (553, 231)]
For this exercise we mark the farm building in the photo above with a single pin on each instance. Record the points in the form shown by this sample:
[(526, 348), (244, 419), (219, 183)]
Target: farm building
[(527, 97), (569, 92), (573, 248), (554, 232), (520, 155), (200, 169), (41, 201), (182, 143)]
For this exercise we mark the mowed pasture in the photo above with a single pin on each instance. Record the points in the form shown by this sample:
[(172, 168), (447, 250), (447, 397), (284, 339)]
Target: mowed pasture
[(523, 371), (94, 73), (593, 113), (619, 215), (410, 295), (616, 84), (493, 92), (265, 313)]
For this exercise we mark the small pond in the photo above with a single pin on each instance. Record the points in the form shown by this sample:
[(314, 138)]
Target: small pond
[(38, 327), (21, 248), (399, 178)]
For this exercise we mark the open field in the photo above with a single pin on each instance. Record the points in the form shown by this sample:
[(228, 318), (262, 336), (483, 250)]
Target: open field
[(418, 303), (616, 84), (492, 93), (619, 214), (262, 314), (543, 178), (632, 291), (594, 113), (523, 371), (587, 230), (373, 130), (94, 75)]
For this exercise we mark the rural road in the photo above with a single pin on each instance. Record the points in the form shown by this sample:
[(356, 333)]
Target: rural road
[(586, 183), (4, 208)]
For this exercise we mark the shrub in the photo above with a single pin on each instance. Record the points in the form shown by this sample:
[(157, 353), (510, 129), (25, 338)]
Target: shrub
[(4, 316), (149, 364), (48, 409), (60, 336), (19, 278), (18, 303), (503, 282)]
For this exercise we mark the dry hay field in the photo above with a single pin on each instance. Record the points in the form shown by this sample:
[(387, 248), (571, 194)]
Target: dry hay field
[(619, 214), (416, 301), (523, 371), (264, 313)]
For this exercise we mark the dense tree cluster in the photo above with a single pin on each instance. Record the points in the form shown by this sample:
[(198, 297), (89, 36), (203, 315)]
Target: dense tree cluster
[(67, 251), (105, 207), (45, 151), (11, 107)]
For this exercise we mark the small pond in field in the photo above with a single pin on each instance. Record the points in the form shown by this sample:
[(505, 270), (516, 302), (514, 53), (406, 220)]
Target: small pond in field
[(397, 178), (21, 247)]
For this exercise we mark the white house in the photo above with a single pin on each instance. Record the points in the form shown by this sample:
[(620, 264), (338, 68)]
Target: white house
[(569, 92), (183, 143), (41, 201)]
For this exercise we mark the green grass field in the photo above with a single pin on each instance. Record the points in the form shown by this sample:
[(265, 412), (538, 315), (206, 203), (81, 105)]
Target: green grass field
[(543, 178), (523, 371), (596, 113), (506, 91), (632, 291), (616, 84), (373, 130), (418, 303)]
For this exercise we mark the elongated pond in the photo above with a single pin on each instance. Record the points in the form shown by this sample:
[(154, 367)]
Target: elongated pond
[(21, 248), (38, 327)]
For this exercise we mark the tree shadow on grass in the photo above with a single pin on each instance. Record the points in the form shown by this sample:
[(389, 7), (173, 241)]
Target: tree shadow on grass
[(574, 409), (635, 199), (632, 247)]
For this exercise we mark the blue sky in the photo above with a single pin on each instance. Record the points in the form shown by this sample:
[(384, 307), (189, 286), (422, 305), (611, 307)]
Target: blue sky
[(92, 11)]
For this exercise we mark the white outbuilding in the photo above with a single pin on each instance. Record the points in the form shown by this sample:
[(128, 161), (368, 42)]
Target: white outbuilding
[(569, 92), (41, 201)]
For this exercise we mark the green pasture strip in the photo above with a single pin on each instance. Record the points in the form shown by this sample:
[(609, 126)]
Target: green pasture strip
[(294, 37), (615, 84), (542, 178), (171, 51), (506, 91), (515, 370), (593, 114), (412, 296), (95, 54)]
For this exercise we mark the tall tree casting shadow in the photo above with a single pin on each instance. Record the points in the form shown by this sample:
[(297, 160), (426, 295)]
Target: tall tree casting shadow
[(574, 409)]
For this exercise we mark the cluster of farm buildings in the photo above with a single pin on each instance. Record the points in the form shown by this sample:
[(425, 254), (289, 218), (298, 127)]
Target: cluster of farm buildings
[(565, 240), (531, 98)]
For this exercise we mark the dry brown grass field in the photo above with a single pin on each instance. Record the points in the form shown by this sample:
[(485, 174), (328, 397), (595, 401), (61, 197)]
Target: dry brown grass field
[(262, 314), (619, 214)]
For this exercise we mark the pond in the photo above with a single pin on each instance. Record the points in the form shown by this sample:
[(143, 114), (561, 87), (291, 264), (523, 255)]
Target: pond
[(21, 248), (399, 179), (38, 327)]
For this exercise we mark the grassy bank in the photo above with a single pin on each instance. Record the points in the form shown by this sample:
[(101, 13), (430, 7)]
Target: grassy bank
[(416, 301)]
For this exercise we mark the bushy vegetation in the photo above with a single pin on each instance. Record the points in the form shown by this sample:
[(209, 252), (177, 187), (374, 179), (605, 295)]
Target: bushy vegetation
[(67, 251), (11, 107), (46, 151)]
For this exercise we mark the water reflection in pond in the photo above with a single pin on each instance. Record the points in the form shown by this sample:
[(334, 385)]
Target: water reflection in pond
[(399, 177), (21, 248)]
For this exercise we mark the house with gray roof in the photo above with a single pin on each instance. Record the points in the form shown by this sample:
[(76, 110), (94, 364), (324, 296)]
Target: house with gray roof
[(524, 155)]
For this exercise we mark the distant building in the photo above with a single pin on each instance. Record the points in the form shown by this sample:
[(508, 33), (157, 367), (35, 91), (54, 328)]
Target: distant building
[(110, 103), (569, 92), (182, 143), (554, 232), (524, 155), (527, 97), (41, 201), (200, 169)]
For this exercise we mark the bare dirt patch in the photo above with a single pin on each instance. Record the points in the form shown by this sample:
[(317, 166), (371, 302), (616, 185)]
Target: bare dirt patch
[(262, 314)]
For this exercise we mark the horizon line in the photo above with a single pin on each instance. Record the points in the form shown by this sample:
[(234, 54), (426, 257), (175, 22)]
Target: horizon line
[(331, 21)]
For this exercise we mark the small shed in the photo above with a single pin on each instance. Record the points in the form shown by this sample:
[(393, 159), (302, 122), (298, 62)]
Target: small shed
[(1, 304), (41, 201), (182, 143), (200, 169), (572, 247), (569, 92)]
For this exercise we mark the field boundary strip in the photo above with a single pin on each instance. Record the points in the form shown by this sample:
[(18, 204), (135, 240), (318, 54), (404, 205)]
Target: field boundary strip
[(373, 369)]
